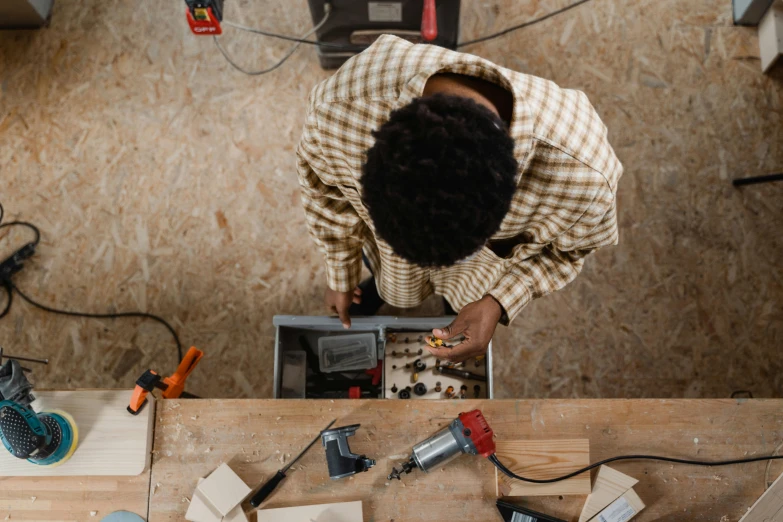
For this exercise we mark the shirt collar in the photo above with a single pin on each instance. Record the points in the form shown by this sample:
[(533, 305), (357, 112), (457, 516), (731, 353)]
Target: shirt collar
[(521, 125)]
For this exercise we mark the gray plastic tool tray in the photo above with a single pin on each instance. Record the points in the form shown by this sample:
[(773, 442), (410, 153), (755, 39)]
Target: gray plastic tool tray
[(290, 327)]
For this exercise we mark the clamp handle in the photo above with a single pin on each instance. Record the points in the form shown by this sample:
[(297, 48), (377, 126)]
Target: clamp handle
[(176, 383), (429, 21)]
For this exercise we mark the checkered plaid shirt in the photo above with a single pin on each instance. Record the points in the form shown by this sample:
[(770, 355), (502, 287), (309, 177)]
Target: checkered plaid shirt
[(563, 208)]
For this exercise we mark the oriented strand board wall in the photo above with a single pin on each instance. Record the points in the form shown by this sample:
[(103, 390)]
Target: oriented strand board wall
[(163, 180)]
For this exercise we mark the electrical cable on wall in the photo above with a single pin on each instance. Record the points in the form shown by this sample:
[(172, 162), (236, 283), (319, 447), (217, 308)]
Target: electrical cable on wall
[(291, 51), (523, 25), (14, 264)]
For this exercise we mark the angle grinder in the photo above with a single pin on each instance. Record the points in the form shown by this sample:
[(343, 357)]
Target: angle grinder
[(469, 433), (47, 438)]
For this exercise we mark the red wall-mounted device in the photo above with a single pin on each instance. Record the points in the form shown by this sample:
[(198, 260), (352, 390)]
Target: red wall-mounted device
[(204, 16)]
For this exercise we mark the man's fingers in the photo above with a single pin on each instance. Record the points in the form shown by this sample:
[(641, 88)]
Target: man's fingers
[(452, 330), (440, 353), (459, 353), (345, 317), (357, 291), (357, 299)]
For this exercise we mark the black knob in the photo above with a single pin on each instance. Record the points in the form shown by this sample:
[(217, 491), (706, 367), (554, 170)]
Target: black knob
[(404, 394), (420, 389)]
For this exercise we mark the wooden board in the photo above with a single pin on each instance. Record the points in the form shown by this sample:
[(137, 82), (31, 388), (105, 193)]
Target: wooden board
[(609, 485), (624, 508), (771, 36), (69, 499), (338, 512), (769, 507), (112, 442), (543, 459), (400, 377), (192, 437)]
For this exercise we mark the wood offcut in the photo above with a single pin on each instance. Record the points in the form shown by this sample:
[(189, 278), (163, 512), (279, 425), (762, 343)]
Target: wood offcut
[(543, 459), (609, 485), (769, 507)]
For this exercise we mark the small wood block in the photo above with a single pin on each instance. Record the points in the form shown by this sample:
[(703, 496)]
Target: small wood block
[(624, 508), (112, 442), (771, 36), (609, 485), (340, 512), (200, 511), (223, 489), (236, 515), (769, 506), (543, 459)]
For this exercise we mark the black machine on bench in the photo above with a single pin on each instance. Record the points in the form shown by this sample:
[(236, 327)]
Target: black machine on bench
[(360, 22)]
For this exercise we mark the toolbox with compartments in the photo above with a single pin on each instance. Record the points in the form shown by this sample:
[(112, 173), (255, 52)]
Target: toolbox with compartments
[(379, 357)]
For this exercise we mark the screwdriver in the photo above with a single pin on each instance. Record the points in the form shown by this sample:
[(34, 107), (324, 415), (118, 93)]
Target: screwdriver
[(278, 477)]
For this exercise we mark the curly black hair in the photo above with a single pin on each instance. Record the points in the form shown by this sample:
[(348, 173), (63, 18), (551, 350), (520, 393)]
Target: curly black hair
[(439, 179)]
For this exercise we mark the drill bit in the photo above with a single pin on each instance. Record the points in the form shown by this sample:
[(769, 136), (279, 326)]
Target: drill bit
[(405, 467)]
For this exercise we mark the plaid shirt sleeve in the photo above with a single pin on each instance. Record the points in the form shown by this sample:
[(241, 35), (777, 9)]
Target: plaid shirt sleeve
[(333, 222), (559, 262)]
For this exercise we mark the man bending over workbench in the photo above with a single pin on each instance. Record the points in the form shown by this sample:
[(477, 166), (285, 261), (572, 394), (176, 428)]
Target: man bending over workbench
[(453, 176)]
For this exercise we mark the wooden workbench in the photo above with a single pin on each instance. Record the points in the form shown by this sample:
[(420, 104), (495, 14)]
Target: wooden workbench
[(72, 499), (194, 436)]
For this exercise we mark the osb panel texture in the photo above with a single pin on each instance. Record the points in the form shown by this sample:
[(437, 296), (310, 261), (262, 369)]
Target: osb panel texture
[(164, 181)]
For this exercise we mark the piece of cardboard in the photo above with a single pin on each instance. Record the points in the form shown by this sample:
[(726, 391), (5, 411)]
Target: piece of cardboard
[(223, 489), (340, 512)]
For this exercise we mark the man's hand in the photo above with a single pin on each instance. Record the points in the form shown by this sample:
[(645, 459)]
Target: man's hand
[(339, 303), (476, 322)]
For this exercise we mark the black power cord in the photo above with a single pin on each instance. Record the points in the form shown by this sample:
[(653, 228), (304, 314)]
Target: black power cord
[(503, 469), (286, 56), (522, 25), (14, 264)]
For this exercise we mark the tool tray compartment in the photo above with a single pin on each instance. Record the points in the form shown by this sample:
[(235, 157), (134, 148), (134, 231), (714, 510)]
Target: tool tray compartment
[(402, 360)]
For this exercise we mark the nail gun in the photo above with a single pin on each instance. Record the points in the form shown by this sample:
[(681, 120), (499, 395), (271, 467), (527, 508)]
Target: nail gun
[(48, 438)]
